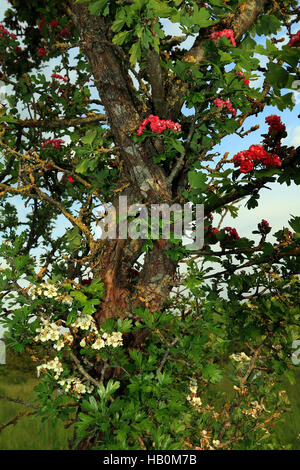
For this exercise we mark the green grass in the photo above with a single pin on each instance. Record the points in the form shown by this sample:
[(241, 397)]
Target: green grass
[(288, 430), (18, 378)]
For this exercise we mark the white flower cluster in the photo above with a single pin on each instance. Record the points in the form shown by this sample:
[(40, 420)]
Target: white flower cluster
[(54, 365), (114, 339), (51, 292), (85, 322), (53, 332), (240, 357), (193, 398), (74, 385), (216, 443), (207, 443), (256, 409), (66, 338)]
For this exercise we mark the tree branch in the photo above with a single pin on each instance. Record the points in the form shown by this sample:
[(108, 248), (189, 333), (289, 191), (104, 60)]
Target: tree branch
[(61, 123)]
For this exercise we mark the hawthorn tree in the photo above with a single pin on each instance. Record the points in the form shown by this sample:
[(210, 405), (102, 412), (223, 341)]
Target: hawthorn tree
[(133, 349)]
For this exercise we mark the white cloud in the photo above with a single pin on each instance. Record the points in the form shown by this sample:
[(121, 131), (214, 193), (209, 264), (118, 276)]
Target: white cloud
[(293, 138)]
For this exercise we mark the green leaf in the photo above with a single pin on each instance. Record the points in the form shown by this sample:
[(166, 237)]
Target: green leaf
[(112, 387), (178, 146), (89, 136), (71, 318), (136, 356), (197, 180), (277, 76), (268, 249), (121, 37), (202, 17), (7, 119), (93, 403), (86, 166), (119, 22), (89, 308), (295, 224), (73, 238), (161, 9), (267, 24), (97, 7), (79, 296), (212, 372), (96, 288), (124, 326), (135, 52)]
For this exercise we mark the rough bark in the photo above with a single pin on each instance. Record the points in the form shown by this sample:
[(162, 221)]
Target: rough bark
[(148, 182)]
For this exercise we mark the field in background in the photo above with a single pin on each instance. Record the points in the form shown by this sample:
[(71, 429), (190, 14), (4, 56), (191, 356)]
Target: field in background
[(18, 377), (17, 380)]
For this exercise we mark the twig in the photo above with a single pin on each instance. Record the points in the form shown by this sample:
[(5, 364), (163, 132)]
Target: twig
[(141, 442), (14, 420), (164, 359), (83, 371), (20, 402), (61, 123)]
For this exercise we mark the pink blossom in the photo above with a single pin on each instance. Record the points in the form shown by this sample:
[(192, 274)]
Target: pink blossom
[(158, 125), (295, 39), (54, 142), (226, 32)]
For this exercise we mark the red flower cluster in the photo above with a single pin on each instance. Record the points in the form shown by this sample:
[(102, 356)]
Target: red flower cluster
[(6, 34), (255, 154), (54, 24), (295, 39), (275, 125), (64, 33), (41, 23), (210, 231), (41, 52), (263, 227), (226, 32), (227, 104), (232, 233), (214, 230), (276, 133), (54, 142), (60, 77), (69, 178), (265, 223), (158, 125), (240, 74)]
